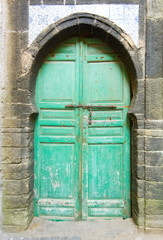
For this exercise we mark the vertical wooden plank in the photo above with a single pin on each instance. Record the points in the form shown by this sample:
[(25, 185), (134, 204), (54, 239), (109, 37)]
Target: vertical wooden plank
[(57, 149), (78, 135), (84, 137), (105, 83)]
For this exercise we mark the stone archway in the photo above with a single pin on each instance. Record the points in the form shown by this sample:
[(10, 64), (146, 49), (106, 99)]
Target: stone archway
[(32, 58)]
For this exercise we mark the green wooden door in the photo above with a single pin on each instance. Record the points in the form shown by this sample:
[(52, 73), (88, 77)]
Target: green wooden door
[(82, 137)]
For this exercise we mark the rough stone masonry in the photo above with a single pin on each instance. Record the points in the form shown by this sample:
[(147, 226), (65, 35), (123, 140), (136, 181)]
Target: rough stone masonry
[(19, 67)]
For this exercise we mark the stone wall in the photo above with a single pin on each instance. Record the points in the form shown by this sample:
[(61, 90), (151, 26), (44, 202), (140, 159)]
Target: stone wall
[(21, 64), (16, 139), (154, 116), (1, 41), (2, 78)]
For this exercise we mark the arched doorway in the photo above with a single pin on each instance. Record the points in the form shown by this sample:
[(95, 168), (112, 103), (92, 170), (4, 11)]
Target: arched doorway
[(82, 136)]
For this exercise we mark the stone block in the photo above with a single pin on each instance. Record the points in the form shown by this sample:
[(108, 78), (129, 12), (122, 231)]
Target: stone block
[(70, 2), (137, 155), (139, 172), (138, 187), (154, 54), (23, 81), (17, 22), (153, 207), (138, 210), (17, 139), (142, 28), (10, 110), (154, 124), (137, 218), (35, 2), (11, 140), (138, 204), (18, 187), (11, 123), (138, 107), (138, 158), (15, 42), (68, 28), (140, 143), (16, 130), (154, 9), (17, 155), (87, 2), (21, 201), (137, 121), (140, 132), (153, 133), (11, 155), (18, 171), (11, 229), (53, 2), (154, 158), (154, 221), (154, 173), (101, 26), (29, 122), (153, 144), (19, 218), (154, 95), (47, 39), (16, 96), (154, 190)]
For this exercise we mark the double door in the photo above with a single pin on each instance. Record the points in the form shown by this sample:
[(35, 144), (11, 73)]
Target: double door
[(82, 137)]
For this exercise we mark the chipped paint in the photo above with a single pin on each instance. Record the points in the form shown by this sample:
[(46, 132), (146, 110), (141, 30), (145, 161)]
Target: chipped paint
[(83, 143)]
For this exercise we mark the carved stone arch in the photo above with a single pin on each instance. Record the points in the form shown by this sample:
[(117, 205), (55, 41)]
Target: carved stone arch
[(84, 24)]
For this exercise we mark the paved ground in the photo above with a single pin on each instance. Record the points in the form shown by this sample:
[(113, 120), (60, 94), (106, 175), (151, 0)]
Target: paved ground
[(115, 229)]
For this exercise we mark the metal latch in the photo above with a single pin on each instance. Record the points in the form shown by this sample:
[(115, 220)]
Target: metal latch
[(90, 116), (90, 109), (90, 106)]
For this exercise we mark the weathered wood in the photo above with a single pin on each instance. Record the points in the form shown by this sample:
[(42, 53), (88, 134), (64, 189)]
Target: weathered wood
[(82, 166)]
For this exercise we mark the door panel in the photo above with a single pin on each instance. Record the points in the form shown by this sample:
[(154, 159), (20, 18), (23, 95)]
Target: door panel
[(82, 158), (57, 149), (59, 212), (100, 85), (104, 142), (58, 172), (111, 131), (102, 180), (57, 85)]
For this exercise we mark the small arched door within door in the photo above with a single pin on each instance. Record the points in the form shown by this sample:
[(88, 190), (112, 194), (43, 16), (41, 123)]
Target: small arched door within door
[(82, 137)]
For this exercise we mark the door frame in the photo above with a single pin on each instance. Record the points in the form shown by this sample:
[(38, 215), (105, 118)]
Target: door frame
[(80, 46), (99, 27)]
